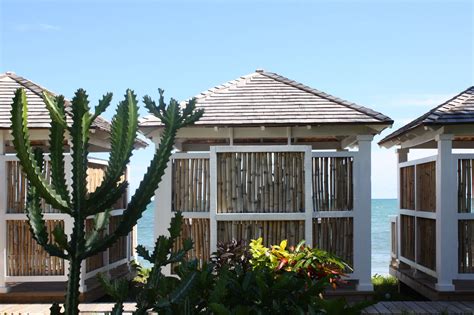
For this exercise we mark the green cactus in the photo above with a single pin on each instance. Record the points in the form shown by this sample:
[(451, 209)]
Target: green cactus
[(75, 200)]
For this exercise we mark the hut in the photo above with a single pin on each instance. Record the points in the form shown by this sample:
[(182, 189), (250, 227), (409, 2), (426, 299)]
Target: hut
[(270, 158), (27, 272), (433, 233)]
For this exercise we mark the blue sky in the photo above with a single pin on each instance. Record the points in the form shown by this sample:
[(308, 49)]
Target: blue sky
[(398, 57)]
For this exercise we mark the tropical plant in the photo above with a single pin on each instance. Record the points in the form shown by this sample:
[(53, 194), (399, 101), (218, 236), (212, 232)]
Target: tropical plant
[(312, 262), (231, 254), (75, 200)]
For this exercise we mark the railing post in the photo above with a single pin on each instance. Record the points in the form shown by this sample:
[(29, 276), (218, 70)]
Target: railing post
[(213, 199), (402, 156), (308, 175), (362, 214), (163, 213), (3, 210), (446, 214)]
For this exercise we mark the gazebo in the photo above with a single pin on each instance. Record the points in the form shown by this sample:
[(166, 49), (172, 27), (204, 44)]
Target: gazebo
[(27, 272), (270, 157), (433, 233)]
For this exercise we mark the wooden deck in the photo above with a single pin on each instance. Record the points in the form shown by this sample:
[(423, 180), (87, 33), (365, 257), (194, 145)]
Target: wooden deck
[(379, 308), (425, 285)]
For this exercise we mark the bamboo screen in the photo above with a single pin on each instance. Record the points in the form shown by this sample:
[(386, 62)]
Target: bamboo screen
[(465, 187), (426, 238), (407, 235), (333, 183), (407, 187), (466, 246), (426, 186), (117, 251), (190, 185), (25, 257), (95, 176), (96, 261), (252, 182), (17, 187), (335, 235), (198, 231), (273, 232)]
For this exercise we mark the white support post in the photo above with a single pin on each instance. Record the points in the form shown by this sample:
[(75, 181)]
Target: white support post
[(3, 210), (362, 214), (213, 201), (446, 214), (402, 156), (163, 212), (308, 202)]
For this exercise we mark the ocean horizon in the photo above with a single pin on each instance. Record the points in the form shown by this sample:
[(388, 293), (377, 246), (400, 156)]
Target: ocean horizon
[(382, 209)]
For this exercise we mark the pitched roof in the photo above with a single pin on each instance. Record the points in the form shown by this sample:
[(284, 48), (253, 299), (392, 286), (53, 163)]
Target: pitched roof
[(38, 115), (457, 110), (266, 98)]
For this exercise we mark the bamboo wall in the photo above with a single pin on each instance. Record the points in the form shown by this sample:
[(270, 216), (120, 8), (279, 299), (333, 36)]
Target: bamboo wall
[(465, 187), (273, 232), (255, 182), (198, 231), (426, 239), (190, 185), (426, 186), (333, 183), (96, 261), (407, 237), (335, 235), (95, 176), (466, 246), (25, 257), (17, 187), (117, 251), (407, 187)]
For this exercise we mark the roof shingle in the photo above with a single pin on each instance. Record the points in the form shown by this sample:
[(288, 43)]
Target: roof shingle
[(266, 98)]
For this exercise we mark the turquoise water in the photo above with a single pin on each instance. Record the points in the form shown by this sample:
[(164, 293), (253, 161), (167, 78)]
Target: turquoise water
[(381, 210)]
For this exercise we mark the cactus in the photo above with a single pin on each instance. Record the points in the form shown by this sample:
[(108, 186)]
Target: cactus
[(75, 200)]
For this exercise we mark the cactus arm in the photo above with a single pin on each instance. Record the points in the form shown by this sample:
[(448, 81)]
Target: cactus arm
[(109, 199), (35, 217), (25, 153), (102, 106), (144, 253), (173, 120), (56, 144), (123, 135), (101, 221)]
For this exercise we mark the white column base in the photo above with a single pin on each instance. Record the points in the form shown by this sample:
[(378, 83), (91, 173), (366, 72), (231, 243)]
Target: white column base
[(364, 287), (4, 289), (444, 287)]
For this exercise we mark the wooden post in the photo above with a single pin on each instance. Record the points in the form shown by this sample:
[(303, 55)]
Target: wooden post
[(446, 214), (163, 199), (3, 210), (402, 156), (362, 214)]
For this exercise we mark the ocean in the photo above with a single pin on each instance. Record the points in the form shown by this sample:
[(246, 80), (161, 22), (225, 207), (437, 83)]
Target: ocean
[(381, 210)]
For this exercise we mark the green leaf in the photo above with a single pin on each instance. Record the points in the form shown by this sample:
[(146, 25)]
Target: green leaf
[(56, 109), (25, 153), (102, 106), (219, 309)]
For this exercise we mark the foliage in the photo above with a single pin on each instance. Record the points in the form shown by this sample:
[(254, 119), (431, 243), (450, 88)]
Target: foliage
[(231, 254), (74, 199), (386, 288), (303, 260)]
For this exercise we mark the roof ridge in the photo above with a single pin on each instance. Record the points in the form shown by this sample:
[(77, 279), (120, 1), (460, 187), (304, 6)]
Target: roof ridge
[(20, 79), (306, 88), (414, 123)]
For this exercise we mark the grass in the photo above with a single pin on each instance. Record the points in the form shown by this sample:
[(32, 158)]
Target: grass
[(386, 288)]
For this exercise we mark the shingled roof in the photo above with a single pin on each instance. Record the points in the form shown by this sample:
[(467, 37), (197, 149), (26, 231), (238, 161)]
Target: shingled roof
[(457, 110), (265, 98), (38, 115)]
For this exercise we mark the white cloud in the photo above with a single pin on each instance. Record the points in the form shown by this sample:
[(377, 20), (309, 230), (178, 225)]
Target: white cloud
[(40, 27)]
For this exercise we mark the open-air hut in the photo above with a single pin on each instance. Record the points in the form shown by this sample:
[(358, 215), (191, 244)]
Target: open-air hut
[(270, 158), (433, 233), (27, 272)]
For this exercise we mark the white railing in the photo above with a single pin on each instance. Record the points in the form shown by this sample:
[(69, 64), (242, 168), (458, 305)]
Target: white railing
[(6, 217), (310, 215)]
